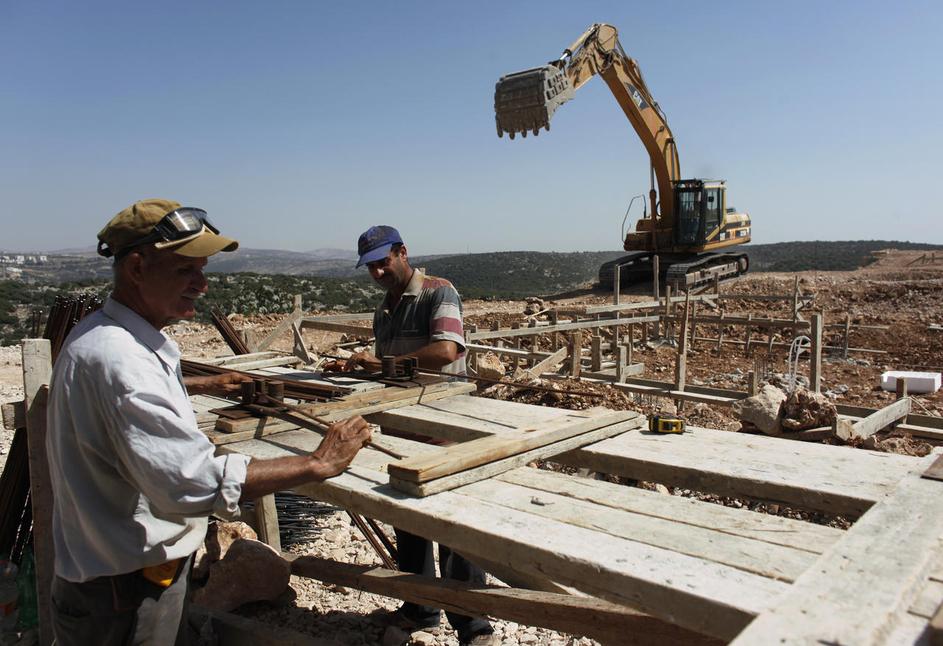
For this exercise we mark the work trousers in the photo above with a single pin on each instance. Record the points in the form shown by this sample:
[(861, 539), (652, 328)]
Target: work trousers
[(121, 610), (414, 555)]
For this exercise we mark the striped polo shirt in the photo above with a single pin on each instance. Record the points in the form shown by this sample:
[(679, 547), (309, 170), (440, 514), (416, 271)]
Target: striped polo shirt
[(429, 310)]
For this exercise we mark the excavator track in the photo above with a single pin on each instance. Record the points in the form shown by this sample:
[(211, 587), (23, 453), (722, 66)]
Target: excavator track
[(685, 273), (705, 269), (633, 268)]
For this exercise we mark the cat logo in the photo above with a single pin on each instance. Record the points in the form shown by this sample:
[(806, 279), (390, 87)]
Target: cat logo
[(636, 96)]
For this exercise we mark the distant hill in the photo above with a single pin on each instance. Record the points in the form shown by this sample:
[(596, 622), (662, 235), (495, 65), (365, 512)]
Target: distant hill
[(518, 273), (499, 274), (823, 255)]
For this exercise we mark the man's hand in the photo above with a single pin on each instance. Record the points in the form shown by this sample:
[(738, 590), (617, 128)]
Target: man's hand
[(340, 445), (364, 359), (227, 383)]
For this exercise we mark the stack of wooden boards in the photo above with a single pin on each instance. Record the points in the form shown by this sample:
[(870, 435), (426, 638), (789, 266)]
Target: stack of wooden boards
[(485, 457)]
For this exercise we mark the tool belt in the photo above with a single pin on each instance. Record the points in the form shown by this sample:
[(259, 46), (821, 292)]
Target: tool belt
[(162, 574)]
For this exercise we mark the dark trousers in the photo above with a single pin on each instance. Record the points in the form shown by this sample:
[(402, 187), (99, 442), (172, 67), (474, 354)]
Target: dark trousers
[(120, 610), (414, 555)]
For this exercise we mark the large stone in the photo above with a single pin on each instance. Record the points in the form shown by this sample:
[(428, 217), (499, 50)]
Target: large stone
[(250, 571), (762, 410), (805, 409), (489, 366), (219, 536)]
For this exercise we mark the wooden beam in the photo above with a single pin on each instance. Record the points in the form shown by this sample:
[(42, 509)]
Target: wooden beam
[(280, 329), (266, 522), (363, 403), (299, 348), (467, 455), (604, 621), (560, 327), (488, 470), (576, 353), (626, 307), (551, 362), (860, 588), (37, 371), (815, 360), (805, 475), (868, 426), (330, 326)]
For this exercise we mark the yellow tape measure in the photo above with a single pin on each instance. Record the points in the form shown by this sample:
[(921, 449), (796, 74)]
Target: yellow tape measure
[(659, 424)]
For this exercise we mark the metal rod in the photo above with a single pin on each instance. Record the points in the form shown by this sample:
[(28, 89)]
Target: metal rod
[(368, 534), (320, 421)]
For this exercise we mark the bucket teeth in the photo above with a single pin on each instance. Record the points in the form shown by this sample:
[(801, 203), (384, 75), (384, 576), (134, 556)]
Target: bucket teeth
[(525, 101)]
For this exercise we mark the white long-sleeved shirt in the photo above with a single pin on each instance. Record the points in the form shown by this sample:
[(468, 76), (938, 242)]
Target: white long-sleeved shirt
[(133, 478)]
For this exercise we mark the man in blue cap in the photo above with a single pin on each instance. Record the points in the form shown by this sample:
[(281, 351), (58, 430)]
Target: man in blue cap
[(421, 317)]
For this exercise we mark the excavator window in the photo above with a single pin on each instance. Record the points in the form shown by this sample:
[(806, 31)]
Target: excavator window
[(689, 216), (712, 210)]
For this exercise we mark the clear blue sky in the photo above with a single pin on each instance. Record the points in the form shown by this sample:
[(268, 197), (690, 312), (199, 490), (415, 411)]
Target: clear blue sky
[(299, 124)]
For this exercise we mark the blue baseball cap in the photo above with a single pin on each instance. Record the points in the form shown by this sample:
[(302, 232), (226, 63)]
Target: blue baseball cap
[(375, 243)]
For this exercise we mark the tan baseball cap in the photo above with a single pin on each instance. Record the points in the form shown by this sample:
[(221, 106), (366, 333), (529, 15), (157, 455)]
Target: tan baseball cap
[(134, 226)]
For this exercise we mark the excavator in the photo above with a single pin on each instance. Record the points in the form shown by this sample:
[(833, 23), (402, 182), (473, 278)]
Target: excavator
[(686, 222)]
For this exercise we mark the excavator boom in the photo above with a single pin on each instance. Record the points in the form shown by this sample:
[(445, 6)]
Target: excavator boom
[(525, 101)]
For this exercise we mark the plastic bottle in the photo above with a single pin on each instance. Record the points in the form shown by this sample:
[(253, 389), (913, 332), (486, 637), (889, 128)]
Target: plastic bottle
[(8, 602)]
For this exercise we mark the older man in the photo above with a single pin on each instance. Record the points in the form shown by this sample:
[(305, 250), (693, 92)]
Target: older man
[(133, 478), (421, 317)]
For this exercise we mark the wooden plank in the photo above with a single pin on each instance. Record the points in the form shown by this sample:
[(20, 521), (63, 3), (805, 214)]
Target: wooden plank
[(359, 331), (343, 318), (280, 329), (776, 530), (549, 363), (14, 415), (605, 309), (811, 476), (759, 557), (612, 374), (860, 587), (360, 404), (560, 327), (868, 426), (462, 417), (815, 353), (467, 455), (266, 522), (449, 482), (284, 360), (508, 352), (601, 620), (37, 372), (705, 597), (234, 359)]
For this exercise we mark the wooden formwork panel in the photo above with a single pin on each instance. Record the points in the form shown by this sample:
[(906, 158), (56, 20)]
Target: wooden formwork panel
[(705, 567)]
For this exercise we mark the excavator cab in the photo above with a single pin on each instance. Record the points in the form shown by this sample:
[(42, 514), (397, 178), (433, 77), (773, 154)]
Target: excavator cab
[(700, 207)]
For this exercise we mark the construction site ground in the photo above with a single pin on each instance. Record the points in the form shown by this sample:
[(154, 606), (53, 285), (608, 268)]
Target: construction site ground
[(892, 292)]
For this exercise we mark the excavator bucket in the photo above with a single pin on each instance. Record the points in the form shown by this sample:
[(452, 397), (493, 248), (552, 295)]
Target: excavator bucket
[(525, 101)]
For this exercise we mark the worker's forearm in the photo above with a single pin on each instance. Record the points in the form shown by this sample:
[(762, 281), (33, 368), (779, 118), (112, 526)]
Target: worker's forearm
[(268, 476), (436, 355)]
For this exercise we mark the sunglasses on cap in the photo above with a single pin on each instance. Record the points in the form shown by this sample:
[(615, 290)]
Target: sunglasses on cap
[(175, 227)]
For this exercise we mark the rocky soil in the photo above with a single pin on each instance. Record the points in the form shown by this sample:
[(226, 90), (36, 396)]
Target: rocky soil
[(900, 299)]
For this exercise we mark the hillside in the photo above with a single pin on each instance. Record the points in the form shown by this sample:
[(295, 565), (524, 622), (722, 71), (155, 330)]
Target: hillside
[(821, 255), (329, 282)]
